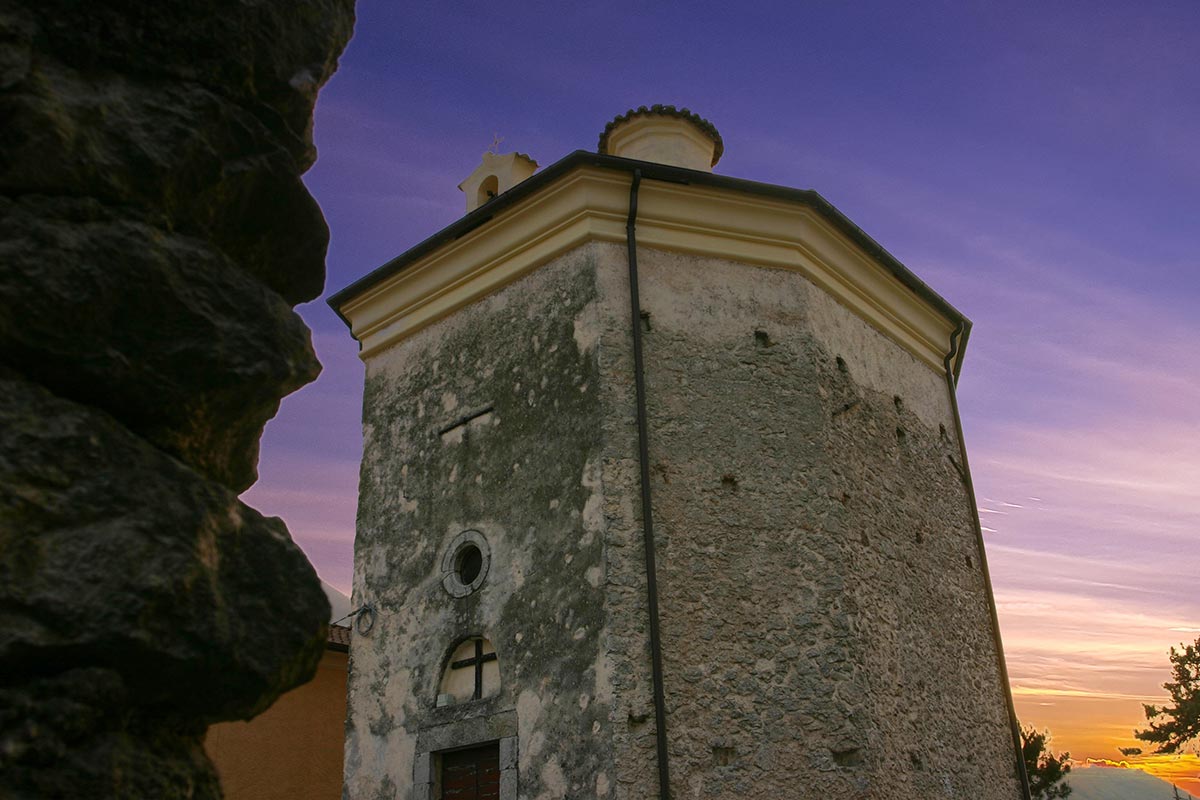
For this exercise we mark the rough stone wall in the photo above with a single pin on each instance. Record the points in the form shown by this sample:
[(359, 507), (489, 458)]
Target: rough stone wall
[(628, 652), (528, 477), (825, 622), (154, 234)]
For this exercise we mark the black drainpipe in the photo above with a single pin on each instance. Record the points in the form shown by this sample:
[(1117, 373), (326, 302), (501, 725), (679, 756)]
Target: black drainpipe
[(660, 703), (1014, 726)]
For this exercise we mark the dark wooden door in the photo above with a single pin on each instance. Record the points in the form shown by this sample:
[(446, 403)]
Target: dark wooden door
[(472, 774)]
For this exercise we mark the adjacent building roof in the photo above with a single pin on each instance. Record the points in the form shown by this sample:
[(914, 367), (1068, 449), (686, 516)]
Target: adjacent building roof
[(339, 638)]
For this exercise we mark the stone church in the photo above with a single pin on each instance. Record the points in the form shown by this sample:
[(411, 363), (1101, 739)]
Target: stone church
[(664, 494)]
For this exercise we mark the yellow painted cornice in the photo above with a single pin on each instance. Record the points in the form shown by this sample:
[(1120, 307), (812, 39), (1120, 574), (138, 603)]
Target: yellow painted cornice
[(590, 203)]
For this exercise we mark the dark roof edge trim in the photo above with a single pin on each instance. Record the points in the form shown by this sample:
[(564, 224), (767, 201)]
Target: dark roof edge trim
[(652, 171)]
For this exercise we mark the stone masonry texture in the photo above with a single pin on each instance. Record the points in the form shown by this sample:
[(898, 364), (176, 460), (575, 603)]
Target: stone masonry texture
[(154, 236), (527, 477), (825, 623)]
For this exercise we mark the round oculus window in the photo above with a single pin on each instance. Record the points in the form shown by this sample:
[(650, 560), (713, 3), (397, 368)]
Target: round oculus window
[(465, 563)]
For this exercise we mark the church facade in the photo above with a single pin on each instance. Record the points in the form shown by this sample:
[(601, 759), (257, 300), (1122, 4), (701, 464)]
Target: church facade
[(752, 567)]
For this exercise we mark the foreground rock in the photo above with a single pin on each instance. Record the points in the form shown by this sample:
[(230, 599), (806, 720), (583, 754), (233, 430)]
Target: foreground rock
[(160, 330), (154, 234), (133, 594)]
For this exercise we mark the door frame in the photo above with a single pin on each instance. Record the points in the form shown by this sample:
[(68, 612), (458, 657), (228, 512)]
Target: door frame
[(461, 735)]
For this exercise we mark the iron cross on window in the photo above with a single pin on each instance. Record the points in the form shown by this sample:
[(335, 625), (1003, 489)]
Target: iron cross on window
[(477, 661)]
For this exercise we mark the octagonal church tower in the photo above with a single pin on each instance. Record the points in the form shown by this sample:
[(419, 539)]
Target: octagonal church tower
[(664, 493)]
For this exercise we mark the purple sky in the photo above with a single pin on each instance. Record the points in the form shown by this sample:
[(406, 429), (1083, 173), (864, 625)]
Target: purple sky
[(1038, 167)]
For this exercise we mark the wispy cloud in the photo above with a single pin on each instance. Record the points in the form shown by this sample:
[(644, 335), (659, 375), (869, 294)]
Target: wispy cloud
[(1031, 691), (1082, 434), (1183, 770)]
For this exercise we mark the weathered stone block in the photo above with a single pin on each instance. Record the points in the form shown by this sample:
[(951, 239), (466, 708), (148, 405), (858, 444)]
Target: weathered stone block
[(75, 734), (206, 597), (154, 232), (176, 342), (270, 57), (178, 155)]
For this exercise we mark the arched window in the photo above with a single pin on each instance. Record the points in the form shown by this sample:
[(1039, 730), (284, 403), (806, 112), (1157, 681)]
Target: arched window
[(489, 188), (472, 672)]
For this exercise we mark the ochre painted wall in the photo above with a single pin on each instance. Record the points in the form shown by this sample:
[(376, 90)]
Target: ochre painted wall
[(291, 751)]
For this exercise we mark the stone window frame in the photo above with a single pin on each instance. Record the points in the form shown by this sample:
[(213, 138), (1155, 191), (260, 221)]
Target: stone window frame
[(450, 581), (462, 734)]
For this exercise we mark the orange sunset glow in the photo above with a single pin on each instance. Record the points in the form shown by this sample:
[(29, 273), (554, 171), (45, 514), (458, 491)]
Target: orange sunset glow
[(1091, 529)]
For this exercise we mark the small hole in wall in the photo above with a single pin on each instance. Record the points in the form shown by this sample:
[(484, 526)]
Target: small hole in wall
[(969, 564), (845, 409), (850, 757), (920, 537), (645, 315), (723, 756), (942, 431), (901, 435), (762, 339), (898, 403), (841, 364), (729, 482)]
